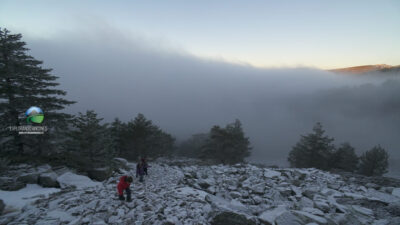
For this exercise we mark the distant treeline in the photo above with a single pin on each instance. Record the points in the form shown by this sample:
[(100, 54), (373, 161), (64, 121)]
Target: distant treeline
[(317, 150)]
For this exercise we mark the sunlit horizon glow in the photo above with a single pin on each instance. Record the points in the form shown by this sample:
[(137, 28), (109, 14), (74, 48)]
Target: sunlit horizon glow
[(317, 34)]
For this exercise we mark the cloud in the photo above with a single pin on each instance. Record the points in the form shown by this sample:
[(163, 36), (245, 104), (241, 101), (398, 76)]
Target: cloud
[(120, 75)]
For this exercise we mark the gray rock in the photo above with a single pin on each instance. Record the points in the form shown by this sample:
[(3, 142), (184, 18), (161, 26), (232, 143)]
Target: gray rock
[(310, 218), (120, 163), (100, 174), (48, 180), (258, 189), (30, 178), (285, 192), (2, 206), (334, 186), (322, 205), (288, 218), (309, 193), (44, 168), (396, 192), (394, 209), (306, 202), (230, 218), (10, 184), (372, 185), (268, 217), (235, 194)]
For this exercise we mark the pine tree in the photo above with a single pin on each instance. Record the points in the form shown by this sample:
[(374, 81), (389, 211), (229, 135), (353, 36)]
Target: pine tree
[(345, 158), (117, 130), (374, 162), (24, 83), (313, 150), (227, 145), (142, 138), (88, 137)]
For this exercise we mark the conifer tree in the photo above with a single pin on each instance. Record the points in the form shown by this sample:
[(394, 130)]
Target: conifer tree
[(88, 137), (25, 83), (227, 145), (142, 138), (374, 162), (345, 158), (313, 150)]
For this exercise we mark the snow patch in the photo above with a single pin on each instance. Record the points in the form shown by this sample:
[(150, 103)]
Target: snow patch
[(32, 192), (69, 179)]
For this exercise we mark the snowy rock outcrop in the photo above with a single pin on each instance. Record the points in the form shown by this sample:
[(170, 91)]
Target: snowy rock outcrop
[(69, 179), (183, 192), (48, 180)]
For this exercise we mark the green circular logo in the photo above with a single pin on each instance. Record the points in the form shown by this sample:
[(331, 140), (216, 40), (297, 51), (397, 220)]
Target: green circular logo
[(34, 115)]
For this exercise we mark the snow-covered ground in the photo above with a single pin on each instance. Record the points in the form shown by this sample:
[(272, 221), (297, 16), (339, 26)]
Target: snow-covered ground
[(15, 200), (183, 193)]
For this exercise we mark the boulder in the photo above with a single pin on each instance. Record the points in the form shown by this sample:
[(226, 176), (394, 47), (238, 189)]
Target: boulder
[(288, 218), (48, 179), (235, 194), (268, 217), (258, 189), (230, 218), (310, 218), (309, 193), (306, 203), (204, 183), (322, 205), (257, 199), (120, 163), (394, 209), (225, 205), (10, 184), (100, 174), (271, 173), (362, 210), (2, 206), (396, 192), (69, 179), (44, 168), (30, 178)]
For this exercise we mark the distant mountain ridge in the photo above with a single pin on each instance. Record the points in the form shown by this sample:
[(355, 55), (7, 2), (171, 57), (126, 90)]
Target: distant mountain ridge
[(367, 69)]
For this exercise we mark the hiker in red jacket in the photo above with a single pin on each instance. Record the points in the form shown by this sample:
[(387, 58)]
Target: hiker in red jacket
[(124, 183)]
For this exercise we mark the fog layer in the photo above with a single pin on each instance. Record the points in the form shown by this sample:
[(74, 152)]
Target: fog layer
[(119, 76)]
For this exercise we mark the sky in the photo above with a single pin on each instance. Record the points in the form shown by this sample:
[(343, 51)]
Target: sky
[(320, 34)]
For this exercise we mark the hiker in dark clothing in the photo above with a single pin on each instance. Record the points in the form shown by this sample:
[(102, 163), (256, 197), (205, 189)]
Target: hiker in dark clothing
[(140, 171), (123, 184), (145, 166)]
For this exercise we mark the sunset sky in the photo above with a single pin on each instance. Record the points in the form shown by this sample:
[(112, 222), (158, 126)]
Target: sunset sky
[(322, 34)]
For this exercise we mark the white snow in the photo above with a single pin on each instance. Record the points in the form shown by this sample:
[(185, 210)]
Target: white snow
[(69, 179), (32, 192)]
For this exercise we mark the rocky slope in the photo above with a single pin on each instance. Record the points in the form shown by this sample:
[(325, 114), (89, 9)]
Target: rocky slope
[(182, 192)]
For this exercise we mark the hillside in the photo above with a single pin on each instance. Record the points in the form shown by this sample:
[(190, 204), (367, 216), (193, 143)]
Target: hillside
[(367, 69), (185, 192)]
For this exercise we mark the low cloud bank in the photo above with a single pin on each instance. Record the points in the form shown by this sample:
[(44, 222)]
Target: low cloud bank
[(119, 77)]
